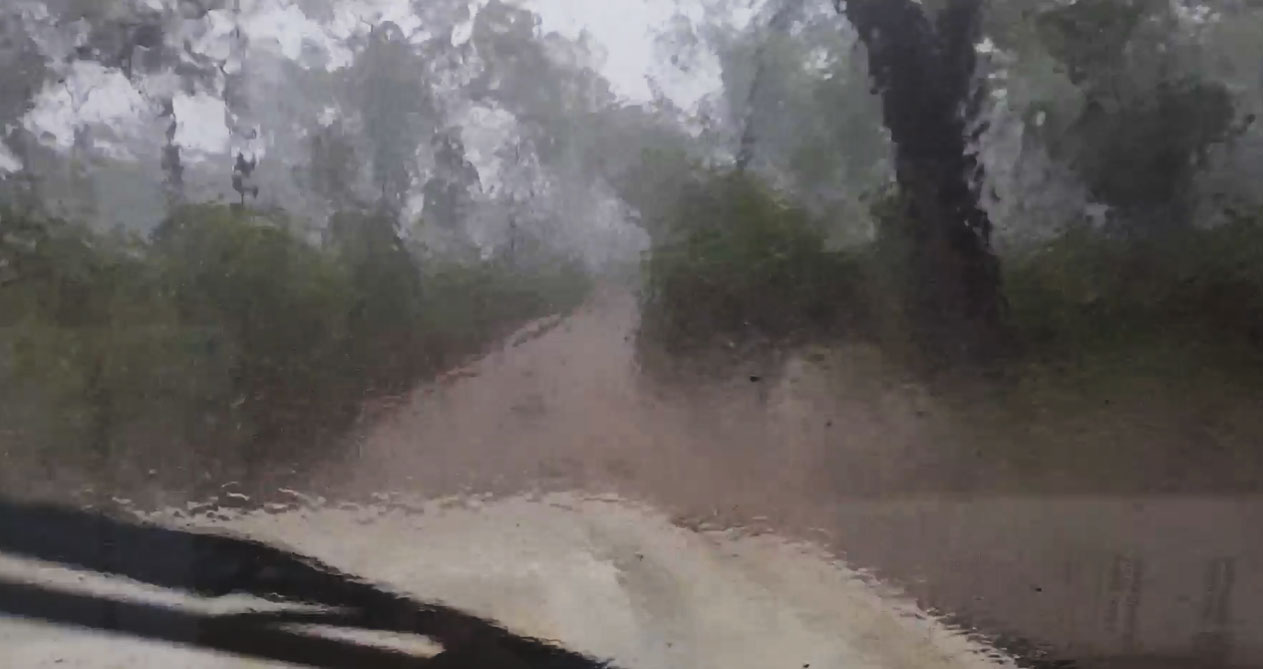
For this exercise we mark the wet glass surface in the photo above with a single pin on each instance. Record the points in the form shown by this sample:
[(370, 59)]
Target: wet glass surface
[(674, 333)]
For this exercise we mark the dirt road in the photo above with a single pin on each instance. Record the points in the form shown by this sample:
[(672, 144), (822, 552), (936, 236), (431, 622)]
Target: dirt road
[(836, 457)]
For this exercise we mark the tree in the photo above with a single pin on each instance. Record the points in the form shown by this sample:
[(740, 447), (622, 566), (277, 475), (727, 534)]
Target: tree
[(396, 108), (385, 303), (241, 172), (1149, 113), (778, 24), (333, 166), (801, 111), (22, 72), (449, 192), (924, 69)]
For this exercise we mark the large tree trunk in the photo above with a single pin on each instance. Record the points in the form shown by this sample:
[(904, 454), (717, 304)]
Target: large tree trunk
[(924, 72)]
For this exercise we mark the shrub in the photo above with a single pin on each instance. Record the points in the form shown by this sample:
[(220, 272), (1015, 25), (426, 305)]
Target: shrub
[(741, 266), (278, 306), (464, 306), (734, 267), (227, 339), (1088, 292)]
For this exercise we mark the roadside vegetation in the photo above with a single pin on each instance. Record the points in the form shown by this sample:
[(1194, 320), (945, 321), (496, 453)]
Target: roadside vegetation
[(745, 268), (1100, 323), (1154, 239), (226, 339), (1122, 364), (740, 266)]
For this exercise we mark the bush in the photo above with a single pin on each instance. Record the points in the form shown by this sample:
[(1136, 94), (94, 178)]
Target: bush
[(734, 267), (1190, 289), (93, 353), (275, 306), (742, 267), (464, 306), (227, 339)]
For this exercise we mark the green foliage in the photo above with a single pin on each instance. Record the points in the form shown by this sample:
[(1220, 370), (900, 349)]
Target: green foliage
[(1199, 290), (654, 184), (1139, 151), (92, 353), (385, 300), (227, 339), (280, 305), (464, 306), (1149, 114), (742, 266)]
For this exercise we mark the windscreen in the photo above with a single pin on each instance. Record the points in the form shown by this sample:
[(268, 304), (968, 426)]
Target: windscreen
[(645, 334)]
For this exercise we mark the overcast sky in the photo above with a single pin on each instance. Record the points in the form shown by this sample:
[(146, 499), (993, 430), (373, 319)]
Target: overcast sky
[(624, 28)]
